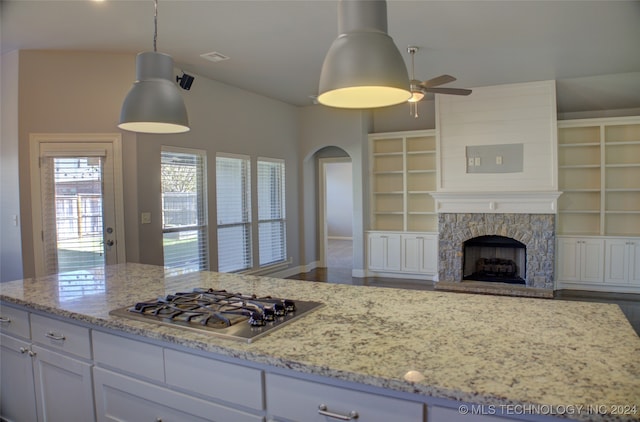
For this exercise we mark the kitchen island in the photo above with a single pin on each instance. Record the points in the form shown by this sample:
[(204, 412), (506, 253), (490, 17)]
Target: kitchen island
[(452, 356)]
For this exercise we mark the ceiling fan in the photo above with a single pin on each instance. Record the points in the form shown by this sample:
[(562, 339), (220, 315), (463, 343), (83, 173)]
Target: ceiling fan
[(420, 89)]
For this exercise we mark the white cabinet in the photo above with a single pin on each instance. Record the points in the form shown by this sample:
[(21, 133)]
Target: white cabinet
[(580, 259), (404, 254), (17, 397), (384, 251), (622, 261), (38, 383), (293, 399), (64, 391), (124, 399), (419, 253)]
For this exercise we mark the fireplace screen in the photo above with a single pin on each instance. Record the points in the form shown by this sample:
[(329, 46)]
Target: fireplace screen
[(494, 258)]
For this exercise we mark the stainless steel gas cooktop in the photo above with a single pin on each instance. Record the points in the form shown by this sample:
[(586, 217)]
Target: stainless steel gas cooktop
[(224, 314)]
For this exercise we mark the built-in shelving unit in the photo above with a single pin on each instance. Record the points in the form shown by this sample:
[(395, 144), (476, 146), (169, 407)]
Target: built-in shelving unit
[(599, 175), (403, 174)]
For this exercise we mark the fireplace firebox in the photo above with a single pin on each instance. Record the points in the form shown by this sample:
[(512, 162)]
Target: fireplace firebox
[(495, 259)]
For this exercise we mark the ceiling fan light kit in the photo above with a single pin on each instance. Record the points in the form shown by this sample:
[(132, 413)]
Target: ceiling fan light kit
[(154, 103), (363, 67)]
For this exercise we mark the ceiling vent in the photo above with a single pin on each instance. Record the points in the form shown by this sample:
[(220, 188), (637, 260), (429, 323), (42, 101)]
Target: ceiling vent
[(214, 56)]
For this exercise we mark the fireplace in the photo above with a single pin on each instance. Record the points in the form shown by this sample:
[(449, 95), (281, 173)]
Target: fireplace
[(494, 259), (535, 232)]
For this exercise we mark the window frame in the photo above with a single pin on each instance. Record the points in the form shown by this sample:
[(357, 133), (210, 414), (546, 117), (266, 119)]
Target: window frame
[(202, 200)]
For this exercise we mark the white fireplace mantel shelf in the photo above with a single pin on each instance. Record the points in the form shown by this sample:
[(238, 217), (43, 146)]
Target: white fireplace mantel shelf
[(497, 202)]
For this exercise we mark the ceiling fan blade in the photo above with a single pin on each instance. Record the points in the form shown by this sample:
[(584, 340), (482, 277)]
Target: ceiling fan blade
[(450, 91), (438, 80)]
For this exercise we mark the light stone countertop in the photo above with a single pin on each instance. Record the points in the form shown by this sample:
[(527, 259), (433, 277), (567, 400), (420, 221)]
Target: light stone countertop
[(482, 349)]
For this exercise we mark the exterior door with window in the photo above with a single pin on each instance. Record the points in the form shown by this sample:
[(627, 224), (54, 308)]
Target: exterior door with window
[(75, 224)]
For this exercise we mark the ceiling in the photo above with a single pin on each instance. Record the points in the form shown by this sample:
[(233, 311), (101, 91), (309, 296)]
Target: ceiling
[(276, 48)]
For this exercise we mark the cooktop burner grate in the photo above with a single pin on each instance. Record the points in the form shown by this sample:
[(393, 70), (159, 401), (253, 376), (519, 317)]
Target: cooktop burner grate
[(230, 315)]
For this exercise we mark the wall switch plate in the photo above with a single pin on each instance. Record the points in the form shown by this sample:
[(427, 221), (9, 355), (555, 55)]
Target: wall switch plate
[(145, 218)]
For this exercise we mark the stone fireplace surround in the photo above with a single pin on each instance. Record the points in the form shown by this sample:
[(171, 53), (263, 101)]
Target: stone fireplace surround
[(536, 231)]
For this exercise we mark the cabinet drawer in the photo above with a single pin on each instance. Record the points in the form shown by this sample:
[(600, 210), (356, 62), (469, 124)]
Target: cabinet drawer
[(120, 398), (215, 379), (300, 400), (128, 355), (61, 336), (14, 321)]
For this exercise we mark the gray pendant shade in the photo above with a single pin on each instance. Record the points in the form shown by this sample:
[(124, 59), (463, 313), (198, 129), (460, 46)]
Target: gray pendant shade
[(363, 67), (154, 104)]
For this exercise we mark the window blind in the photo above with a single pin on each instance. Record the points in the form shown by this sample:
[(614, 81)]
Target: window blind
[(233, 193), (184, 215), (72, 212), (271, 211)]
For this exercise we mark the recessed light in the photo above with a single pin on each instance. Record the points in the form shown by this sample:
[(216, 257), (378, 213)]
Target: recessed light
[(214, 56)]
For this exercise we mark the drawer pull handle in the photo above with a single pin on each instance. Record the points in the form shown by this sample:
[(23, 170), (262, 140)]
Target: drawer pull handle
[(323, 410), (4, 320), (54, 336)]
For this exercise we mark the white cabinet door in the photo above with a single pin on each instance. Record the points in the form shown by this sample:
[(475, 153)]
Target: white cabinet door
[(592, 256), (634, 262), (622, 261), (123, 399), (63, 387), (617, 261), (419, 253), (580, 259), (568, 259), (384, 252), (17, 391)]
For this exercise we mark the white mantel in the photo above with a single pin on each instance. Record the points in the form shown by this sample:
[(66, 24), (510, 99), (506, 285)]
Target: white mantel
[(497, 202)]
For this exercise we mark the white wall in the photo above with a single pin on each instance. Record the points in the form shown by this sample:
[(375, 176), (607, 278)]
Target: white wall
[(505, 114), (339, 200), (10, 242)]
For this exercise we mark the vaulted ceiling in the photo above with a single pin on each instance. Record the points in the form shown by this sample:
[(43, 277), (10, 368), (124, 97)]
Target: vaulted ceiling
[(276, 48)]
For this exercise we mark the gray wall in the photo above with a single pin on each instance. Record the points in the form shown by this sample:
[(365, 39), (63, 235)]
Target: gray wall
[(223, 118), (10, 249), (339, 202), (347, 129)]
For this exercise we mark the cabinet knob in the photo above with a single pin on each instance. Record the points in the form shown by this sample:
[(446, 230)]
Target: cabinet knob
[(324, 411), (23, 350), (32, 353)]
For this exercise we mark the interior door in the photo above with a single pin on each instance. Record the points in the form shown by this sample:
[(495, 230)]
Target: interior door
[(77, 207)]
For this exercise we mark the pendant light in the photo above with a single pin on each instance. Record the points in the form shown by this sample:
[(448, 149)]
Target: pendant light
[(154, 104), (363, 67)]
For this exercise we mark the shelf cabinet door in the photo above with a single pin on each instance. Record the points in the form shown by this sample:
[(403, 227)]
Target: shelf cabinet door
[(18, 399), (622, 261), (64, 390), (384, 252), (419, 254), (580, 259)]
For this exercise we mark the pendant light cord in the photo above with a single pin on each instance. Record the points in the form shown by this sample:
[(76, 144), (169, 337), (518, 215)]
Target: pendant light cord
[(155, 25)]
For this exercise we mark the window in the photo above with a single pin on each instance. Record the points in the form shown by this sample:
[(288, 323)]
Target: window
[(233, 192), (184, 222), (271, 211)]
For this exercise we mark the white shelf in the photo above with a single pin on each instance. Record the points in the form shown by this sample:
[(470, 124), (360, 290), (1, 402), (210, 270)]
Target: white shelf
[(600, 167), (403, 173)]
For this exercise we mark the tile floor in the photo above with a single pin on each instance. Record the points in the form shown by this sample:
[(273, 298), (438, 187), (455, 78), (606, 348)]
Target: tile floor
[(339, 271)]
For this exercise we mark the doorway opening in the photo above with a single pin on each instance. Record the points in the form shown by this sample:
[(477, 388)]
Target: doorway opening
[(336, 214)]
